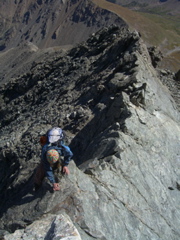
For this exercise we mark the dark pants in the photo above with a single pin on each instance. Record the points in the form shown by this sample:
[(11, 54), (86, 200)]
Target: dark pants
[(40, 172), (39, 175)]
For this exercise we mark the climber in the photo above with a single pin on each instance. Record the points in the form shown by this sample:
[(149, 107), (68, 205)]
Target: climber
[(51, 160)]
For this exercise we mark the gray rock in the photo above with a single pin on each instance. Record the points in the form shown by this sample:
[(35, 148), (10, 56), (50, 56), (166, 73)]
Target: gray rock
[(49, 227), (124, 177)]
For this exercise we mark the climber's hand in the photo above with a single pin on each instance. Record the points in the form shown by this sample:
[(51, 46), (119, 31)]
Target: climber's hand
[(56, 187), (65, 170)]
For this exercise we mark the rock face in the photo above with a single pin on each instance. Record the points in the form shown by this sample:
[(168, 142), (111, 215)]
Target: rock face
[(51, 22), (122, 125), (49, 227)]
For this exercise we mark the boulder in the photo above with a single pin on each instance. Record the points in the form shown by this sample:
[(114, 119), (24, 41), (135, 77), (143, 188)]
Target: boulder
[(49, 227)]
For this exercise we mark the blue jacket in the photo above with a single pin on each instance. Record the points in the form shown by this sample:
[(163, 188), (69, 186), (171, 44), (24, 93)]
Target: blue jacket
[(63, 151)]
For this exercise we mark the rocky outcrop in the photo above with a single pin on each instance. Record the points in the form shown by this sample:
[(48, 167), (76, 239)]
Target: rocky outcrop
[(178, 76), (49, 227), (122, 125), (173, 85)]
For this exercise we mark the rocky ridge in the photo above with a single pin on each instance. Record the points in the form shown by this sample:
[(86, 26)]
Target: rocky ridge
[(122, 125)]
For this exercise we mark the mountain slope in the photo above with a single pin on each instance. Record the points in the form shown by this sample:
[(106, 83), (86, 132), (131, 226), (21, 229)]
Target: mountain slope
[(50, 23), (155, 30), (169, 7), (122, 125), (58, 23), (145, 26)]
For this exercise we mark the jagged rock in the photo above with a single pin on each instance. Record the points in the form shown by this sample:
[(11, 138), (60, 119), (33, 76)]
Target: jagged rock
[(49, 227), (156, 55), (170, 80), (122, 124), (178, 75)]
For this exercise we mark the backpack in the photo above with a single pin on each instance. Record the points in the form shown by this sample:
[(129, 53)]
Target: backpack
[(43, 140), (46, 145), (55, 134)]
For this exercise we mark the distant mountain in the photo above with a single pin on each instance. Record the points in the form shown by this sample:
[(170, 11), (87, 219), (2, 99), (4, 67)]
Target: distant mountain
[(55, 23), (51, 22), (166, 6)]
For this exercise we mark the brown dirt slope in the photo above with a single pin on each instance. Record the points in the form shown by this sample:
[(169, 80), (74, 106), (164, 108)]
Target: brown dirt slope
[(154, 31)]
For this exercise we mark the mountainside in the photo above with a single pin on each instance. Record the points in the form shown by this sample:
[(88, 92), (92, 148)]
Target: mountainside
[(170, 7), (55, 23), (51, 22), (158, 27), (122, 125)]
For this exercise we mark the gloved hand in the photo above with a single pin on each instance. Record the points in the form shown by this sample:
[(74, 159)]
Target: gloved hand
[(65, 170), (56, 187)]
